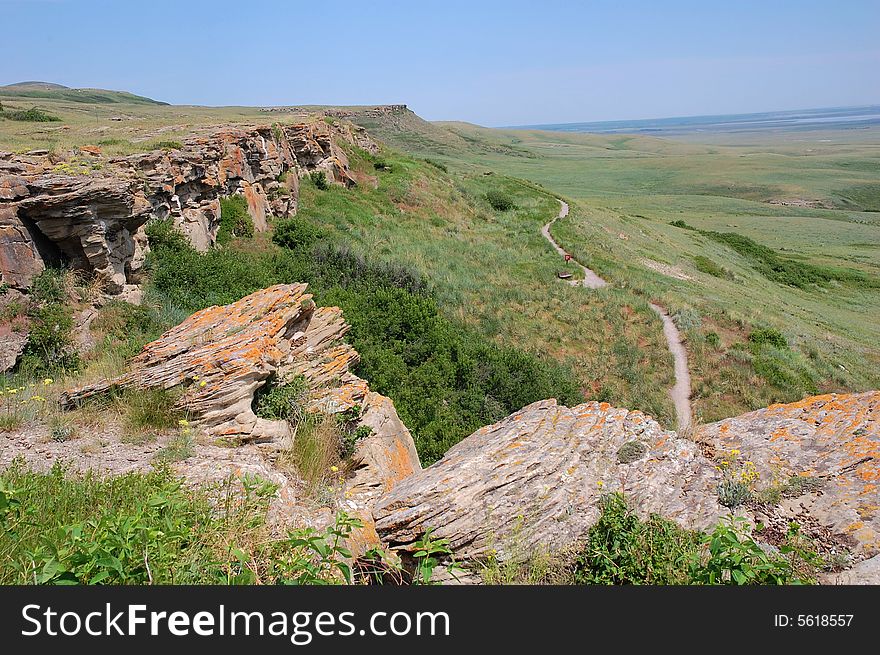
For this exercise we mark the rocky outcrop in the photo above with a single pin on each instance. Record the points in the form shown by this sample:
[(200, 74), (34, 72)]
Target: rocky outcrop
[(533, 482), (221, 356), (88, 212), (823, 455)]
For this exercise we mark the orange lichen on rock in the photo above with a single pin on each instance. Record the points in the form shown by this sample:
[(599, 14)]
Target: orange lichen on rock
[(834, 438), (222, 355)]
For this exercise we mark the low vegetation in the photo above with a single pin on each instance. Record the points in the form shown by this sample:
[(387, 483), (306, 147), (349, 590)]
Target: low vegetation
[(32, 115), (235, 221), (624, 549), (62, 528), (446, 380)]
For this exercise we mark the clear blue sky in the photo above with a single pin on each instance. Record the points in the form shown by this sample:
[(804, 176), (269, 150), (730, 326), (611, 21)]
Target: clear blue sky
[(493, 63)]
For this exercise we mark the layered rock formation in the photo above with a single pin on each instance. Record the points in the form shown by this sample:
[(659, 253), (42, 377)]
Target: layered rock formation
[(88, 212), (532, 482), (823, 454), (222, 355)]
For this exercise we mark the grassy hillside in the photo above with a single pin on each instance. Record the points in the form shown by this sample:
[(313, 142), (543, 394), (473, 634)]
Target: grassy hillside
[(58, 92), (492, 271), (810, 200)]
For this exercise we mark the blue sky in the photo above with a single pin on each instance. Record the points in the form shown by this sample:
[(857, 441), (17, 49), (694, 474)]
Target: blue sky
[(493, 63)]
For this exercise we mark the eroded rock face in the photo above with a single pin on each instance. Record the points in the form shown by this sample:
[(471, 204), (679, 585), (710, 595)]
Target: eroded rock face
[(222, 355), (532, 482), (88, 212), (833, 443)]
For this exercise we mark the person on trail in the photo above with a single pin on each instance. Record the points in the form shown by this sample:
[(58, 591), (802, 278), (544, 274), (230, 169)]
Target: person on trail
[(567, 257)]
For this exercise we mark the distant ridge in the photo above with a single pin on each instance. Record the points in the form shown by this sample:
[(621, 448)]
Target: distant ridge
[(52, 91)]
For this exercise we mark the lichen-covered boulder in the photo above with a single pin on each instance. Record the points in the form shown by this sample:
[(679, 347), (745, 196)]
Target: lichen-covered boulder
[(823, 452), (532, 482), (222, 355)]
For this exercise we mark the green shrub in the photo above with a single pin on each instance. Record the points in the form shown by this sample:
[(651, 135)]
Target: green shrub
[(438, 165), (165, 145), (235, 221), (687, 319), (280, 402), (733, 493), (445, 380), (733, 558), (500, 200), (680, 223), (788, 271), (164, 234), (32, 115), (50, 344), (296, 233), (713, 339), (770, 336), (631, 451), (710, 267), (319, 179), (621, 549)]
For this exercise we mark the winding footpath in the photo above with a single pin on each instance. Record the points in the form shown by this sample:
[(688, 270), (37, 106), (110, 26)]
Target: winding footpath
[(681, 391)]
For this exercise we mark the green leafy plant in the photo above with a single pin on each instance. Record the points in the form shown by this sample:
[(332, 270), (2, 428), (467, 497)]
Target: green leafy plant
[(319, 179), (32, 115), (499, 200), (296, 233), (428, 555), (731, 557), (318, 558), (235, 221)]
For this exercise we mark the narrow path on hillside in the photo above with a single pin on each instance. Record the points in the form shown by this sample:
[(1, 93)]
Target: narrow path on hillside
[(681, 391)]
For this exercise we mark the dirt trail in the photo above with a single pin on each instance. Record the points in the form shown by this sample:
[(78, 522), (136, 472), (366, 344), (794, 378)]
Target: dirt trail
[(681, 391)]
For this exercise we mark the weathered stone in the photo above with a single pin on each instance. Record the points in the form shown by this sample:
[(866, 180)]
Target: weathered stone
[(91, 216), (222, 355), (532, 482), (11, 347), (864, 573), (834, 441)]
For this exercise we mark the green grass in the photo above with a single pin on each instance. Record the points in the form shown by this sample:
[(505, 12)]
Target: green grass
[(809, 271)]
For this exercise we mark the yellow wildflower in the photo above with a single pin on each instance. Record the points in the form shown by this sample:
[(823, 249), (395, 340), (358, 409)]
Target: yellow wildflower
[(48, 381)]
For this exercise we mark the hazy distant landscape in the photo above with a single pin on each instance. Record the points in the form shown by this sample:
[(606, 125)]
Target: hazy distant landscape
[(843, 118)]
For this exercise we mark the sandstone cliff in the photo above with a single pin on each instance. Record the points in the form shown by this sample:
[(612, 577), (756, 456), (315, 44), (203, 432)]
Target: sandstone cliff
[(88, 212)]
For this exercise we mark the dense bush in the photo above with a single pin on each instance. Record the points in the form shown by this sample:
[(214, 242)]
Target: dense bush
[(622, 549), (789, 271), (709, 266), (319, 179), (235, 221), (32, 115), (50, 344), (445, 380), (499, 200), (770, 336), (296, 233)]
